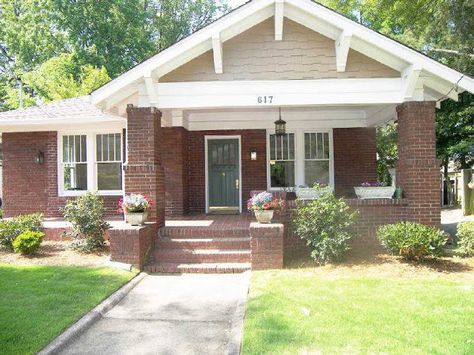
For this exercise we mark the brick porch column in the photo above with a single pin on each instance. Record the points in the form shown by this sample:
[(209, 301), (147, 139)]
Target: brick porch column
[(143, 170), (417, 169)]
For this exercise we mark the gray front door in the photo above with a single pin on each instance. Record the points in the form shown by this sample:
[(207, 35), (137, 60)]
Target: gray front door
[(223, 159)]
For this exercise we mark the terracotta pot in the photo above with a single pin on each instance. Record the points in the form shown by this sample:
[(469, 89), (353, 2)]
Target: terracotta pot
[(136, 218), (264, 216)]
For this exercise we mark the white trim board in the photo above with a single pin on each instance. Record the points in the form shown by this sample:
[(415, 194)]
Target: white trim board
[(206, 165)]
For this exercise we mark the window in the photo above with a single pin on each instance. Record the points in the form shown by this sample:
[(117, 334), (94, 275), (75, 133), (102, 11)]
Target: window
[(316, 164), (109, 162), (75, 163), (282, 160), (91, 162)]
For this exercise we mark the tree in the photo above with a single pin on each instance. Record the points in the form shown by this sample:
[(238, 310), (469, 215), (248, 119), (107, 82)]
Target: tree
[(387, 151)]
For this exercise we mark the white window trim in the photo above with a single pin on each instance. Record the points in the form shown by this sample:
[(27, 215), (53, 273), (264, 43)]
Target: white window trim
[(300, 156), (91, 162)]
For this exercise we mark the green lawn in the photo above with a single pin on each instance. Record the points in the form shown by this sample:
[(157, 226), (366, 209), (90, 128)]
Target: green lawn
[(38, 302), (301, 312)]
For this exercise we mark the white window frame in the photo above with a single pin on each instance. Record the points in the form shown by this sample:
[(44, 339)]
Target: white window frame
[(92, 177), (329, 159), (269, 160), (300, 156)]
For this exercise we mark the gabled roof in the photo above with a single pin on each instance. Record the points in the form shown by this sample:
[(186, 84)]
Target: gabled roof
[(346, 32), (68, 110)]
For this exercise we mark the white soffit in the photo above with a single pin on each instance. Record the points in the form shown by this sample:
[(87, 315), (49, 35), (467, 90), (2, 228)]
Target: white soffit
[(304, 12)]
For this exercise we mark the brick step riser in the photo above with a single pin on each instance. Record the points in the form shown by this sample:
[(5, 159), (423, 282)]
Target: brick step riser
[(192, 270), (187, 233), (165, 257), (227, 245)]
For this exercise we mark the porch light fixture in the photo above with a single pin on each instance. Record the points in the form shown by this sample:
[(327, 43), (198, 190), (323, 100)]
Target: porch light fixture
[(39, 158), (253, 154), (280, 125)]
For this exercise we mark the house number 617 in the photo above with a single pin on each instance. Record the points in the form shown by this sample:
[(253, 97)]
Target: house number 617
[(265, 99)]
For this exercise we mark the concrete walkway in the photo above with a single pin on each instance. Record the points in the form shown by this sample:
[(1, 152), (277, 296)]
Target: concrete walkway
[(182, 314)]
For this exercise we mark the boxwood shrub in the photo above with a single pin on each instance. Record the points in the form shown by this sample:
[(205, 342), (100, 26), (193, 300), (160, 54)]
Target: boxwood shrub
[(12, 228), (465, 239), (325, 223), (28, 242), (412, 241)]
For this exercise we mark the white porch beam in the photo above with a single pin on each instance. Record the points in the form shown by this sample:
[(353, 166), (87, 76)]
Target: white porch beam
[(343, 44), (151, 90), (410, 78), (218, 53), (215, 94), (279, 16)]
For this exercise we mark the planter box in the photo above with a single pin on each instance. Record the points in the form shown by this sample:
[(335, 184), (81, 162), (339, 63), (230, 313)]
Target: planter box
[(374, 192), (308, 193)]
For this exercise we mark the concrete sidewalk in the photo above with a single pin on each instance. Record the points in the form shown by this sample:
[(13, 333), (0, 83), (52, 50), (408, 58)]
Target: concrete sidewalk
[(182, 314)]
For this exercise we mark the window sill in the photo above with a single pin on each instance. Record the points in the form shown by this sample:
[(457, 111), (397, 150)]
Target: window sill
[(80, 193)]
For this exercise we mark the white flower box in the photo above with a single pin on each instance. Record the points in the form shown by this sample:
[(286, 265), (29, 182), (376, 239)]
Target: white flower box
[(365, 193), (308, 193)]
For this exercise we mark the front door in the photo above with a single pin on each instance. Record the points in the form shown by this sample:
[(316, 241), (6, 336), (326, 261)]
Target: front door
[(223, 159)]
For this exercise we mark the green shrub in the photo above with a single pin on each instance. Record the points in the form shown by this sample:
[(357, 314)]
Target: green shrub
[(325, 224), (12, 228), (412, 241), (28, 242), (86, 214), (465, 239)]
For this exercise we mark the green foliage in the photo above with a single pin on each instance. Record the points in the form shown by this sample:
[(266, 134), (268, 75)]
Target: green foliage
[(86, 214), (61, 77), (465, 239), (28, 242), (325, 224), (10, 229), (412, 241), (387, 151)]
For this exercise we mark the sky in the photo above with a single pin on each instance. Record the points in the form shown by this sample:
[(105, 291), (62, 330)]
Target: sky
[(235, 3)]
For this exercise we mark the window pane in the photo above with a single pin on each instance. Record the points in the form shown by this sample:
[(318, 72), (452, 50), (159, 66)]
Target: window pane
[(282, 173), (326, 145), (272, 147), (307, 146), (118, 152), (319, 154), (316, 172), (75, 177), (109, 176), (291, 146), (99, 147)]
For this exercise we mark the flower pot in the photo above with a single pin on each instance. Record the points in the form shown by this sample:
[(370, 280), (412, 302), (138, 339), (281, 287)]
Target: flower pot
[(365, 193), (136, 218), (264, 216)]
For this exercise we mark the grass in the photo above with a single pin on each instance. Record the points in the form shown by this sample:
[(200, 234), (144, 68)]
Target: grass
[(38, 302), (305, 312)]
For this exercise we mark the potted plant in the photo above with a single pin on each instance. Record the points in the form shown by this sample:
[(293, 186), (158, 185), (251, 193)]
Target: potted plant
[(306, 193), (369, 190), (135, 208), (263, 205)]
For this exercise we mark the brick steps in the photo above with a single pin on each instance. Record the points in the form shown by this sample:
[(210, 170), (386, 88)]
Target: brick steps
[(240, 243), (200, 232), (199, 256), (205, 268)]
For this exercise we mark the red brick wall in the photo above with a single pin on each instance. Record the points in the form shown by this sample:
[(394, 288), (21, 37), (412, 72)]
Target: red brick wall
[(30, 187), (355, 158), (254, 173), (175, 162), (418, 168), (143, 171)]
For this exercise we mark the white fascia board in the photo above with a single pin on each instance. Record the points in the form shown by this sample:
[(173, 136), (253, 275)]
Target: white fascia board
[(215, 94), (217, 53), (279, 16), (168, 55), (61, 124), (444, 88), (343, 44), (392, 47)]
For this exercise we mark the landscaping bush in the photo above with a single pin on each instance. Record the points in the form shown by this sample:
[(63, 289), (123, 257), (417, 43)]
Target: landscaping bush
[(465, 239), (12, 228), (28, 242), (325, 224), (86, 214), (412, 241)]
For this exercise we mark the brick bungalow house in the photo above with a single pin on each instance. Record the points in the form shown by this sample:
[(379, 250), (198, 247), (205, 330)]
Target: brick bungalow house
[(193, 128)]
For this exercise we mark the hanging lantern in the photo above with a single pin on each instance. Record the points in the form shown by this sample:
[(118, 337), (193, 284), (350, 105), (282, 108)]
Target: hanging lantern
[(280, 125)]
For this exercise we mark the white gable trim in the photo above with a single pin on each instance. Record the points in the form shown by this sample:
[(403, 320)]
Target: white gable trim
[(307, 13)]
